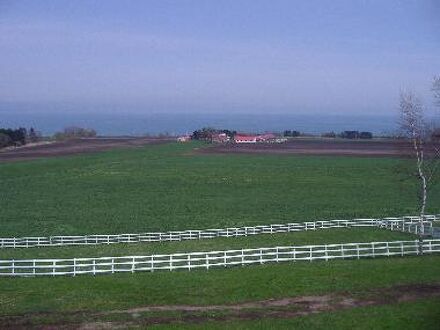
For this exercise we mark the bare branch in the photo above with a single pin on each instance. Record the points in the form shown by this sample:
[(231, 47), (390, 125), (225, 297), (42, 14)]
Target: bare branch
[(436, 89)]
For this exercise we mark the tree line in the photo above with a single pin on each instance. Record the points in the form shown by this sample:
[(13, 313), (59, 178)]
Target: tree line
[(17, 137), (21, 136)]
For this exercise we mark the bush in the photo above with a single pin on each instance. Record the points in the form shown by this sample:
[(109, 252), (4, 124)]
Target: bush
[(291, 133), (75, 132), (329, 135), (349, 135), (5, 140), (33, 135), (16, 136), (366, 135)]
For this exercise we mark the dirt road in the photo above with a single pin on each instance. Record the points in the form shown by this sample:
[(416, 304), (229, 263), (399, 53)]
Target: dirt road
[(76, 146), (331, 147), (288, 307)]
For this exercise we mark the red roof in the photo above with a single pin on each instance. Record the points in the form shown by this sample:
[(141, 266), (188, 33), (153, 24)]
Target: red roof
[(267, 136), (245, 137)]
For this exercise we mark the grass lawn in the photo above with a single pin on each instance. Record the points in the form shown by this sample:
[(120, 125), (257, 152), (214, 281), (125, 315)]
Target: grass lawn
[(323, 236), (229, 285), (167, 187)]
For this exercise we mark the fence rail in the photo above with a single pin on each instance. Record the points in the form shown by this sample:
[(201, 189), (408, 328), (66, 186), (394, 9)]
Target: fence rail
[(26, 242), (207, 260)]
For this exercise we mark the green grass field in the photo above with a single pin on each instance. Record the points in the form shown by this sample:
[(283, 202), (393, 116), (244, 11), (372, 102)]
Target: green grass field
[(19, 296), (169, 187)]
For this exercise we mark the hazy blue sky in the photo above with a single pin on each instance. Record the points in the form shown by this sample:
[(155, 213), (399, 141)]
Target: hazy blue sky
[(282, 56)]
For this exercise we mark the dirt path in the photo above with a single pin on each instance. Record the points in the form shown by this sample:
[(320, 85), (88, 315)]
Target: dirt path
[(324, 147), (307, 304), (73, 147), (288, 307)]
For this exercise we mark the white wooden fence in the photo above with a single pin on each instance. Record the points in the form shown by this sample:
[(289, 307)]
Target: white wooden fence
[(409, 226), (207, 260), (25, 242)]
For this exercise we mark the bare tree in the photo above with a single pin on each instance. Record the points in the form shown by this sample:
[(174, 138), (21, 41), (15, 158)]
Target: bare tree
[(436, 89), (423, 141), (412, 125)]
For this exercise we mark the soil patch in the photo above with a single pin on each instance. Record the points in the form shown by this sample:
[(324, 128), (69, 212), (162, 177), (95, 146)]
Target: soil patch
[(324, 147), (288, 307), (76, 146)]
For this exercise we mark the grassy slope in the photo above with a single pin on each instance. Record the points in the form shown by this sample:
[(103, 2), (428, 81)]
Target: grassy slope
[(326, 236), (409, 315), (166, 187), (22, 295)]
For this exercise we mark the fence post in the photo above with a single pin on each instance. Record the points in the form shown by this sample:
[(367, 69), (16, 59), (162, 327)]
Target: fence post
[(113, 265), (53, 267), (357, 251), (207, 261), (372, 247), (311, 254), (74, 266), (261, 256), (133, 264), (33, 266), (326, 253), (94, 267)]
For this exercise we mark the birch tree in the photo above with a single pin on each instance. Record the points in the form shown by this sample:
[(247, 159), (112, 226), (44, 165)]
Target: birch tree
[(423, 144), (412, 125), (436, 90)]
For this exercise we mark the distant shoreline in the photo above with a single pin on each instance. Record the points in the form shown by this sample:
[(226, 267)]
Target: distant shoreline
[(178, 123)]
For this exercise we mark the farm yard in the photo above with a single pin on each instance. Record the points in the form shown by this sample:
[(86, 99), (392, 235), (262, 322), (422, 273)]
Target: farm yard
[(169, 187), (324, 146)]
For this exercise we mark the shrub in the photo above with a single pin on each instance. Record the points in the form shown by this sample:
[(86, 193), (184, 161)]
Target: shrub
[(75, 132), (5, 140), (329, 135), (366, 135)]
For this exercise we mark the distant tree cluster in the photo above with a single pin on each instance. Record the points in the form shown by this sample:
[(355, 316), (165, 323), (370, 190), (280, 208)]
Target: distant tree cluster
[(329, 135), (206, 133), (355, 135), (74, 133), (291, 133), (18, 137)]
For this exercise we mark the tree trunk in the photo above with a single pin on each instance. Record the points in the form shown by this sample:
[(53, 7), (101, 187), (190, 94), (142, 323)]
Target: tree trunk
[(420, 158)]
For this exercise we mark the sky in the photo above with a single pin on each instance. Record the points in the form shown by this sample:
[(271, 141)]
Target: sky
[(327, 56)]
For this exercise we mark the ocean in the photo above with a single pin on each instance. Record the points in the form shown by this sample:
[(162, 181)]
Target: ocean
[(183, 123)]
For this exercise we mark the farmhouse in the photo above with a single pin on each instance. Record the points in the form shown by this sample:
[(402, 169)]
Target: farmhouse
[(184, 138), (267, 137), (245, 138), (260, 138), (220, 138)]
